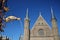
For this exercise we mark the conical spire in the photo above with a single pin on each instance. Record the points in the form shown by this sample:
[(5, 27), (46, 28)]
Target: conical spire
[(52, 13), (27, 13)]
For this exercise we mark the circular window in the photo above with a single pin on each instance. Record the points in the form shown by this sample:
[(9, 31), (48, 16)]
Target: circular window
[(41, 32)]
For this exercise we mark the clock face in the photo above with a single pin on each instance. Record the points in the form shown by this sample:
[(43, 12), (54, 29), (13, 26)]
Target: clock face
[(41, 32)]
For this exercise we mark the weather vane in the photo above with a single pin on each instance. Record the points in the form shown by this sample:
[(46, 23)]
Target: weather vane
[(3, 9)]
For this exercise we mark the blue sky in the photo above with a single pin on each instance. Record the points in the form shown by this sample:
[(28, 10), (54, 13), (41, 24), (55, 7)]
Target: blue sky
[(18, 8)]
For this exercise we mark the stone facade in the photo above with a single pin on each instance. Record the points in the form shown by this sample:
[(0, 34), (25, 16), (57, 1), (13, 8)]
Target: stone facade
[(40, 30)]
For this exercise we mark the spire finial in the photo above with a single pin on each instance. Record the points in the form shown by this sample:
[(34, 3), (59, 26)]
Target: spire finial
[(39, 13), (27, 13), (52, 12)]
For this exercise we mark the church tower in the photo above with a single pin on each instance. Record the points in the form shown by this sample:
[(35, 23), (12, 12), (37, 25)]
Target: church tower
[(54, 26), (26, 26)]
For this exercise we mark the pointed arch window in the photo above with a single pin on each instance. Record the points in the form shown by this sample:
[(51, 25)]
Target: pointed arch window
[(41, 32)]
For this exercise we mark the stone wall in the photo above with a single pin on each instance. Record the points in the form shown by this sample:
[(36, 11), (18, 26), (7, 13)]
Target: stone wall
[(41, 38)]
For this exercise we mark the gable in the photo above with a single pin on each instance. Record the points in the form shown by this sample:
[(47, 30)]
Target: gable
[(40, 24)]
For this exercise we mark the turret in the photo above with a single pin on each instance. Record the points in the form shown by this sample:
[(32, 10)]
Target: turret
[(26, 26), (54, 26)]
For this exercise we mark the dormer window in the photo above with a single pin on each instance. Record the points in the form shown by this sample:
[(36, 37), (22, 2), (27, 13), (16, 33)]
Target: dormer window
[(40, 23)]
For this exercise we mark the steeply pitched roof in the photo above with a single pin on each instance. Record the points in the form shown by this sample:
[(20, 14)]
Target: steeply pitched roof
[(41, 22)]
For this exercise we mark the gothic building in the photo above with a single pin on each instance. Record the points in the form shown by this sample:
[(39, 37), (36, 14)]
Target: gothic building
[(4, 37), (41, 29)]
